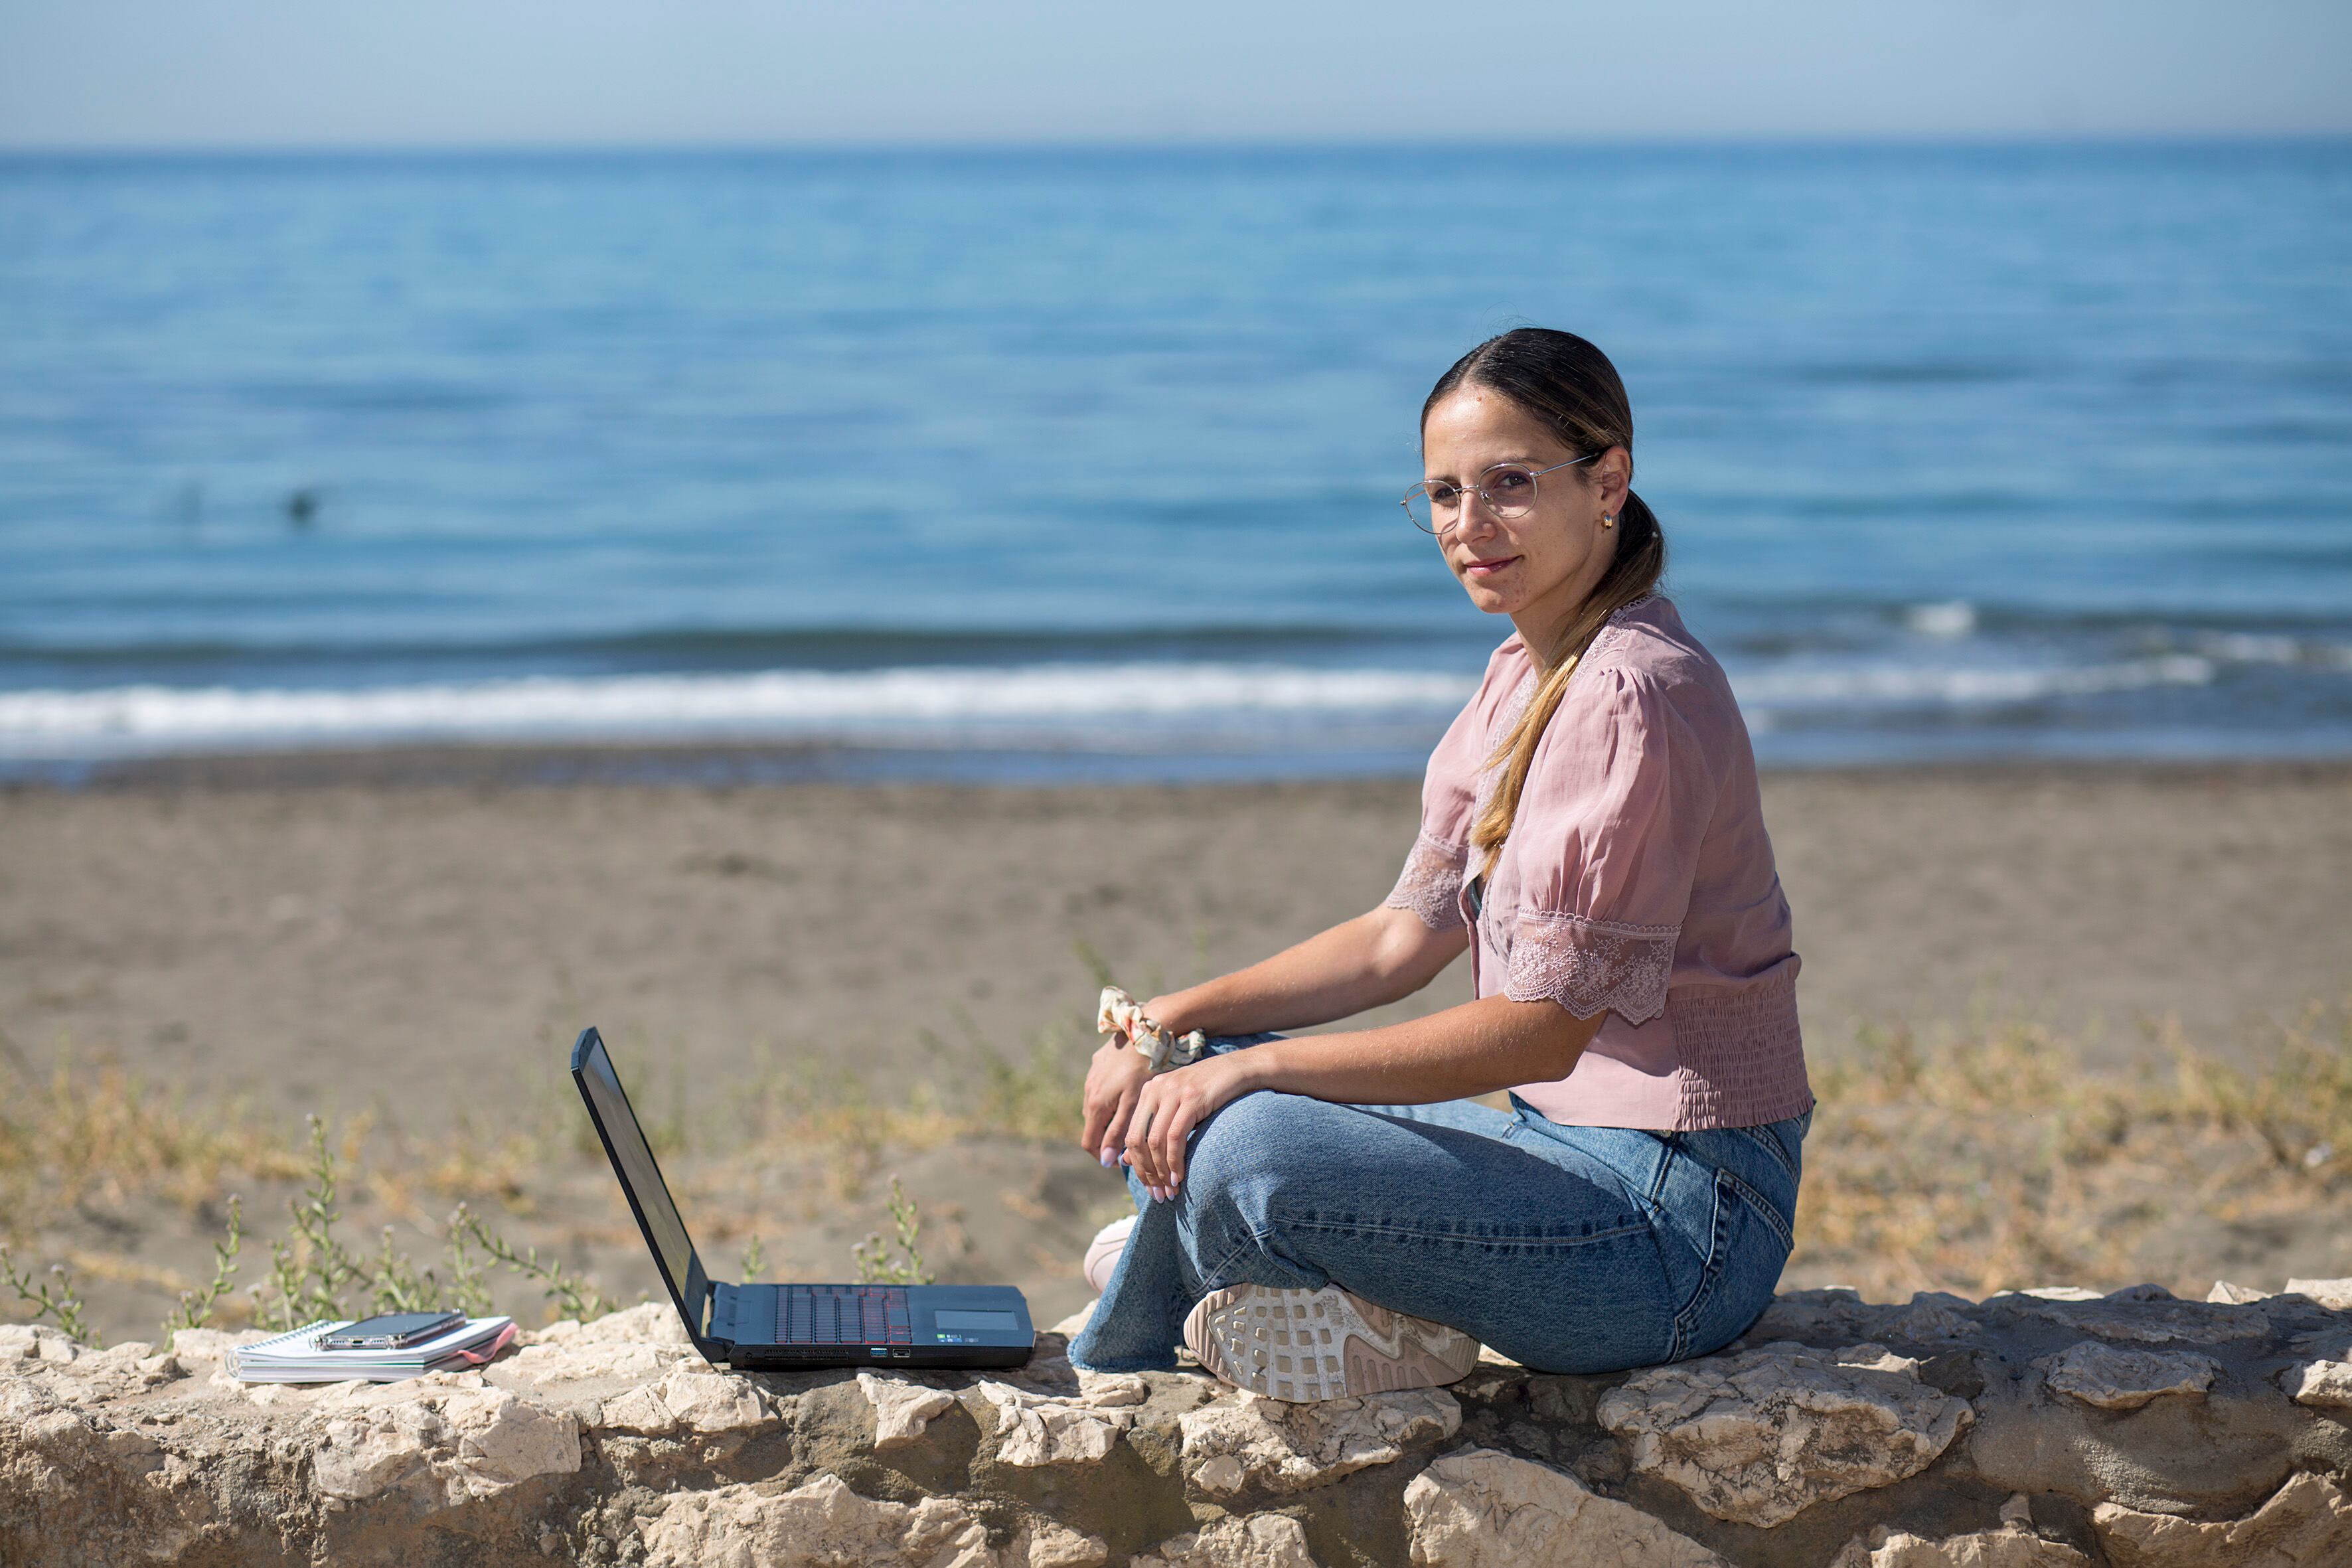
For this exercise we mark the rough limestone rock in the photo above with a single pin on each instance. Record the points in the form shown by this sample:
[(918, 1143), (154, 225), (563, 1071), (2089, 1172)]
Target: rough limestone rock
[(2334, 1294), (2014, 1547), (36, 1342), (1481, 1509), (1034, 1429), (2321, 1385), (823, 1524), (2306, 1524), (640, 1342), (1042, 1543), (2140, 1314), (447, 1444), (1758, 1438), (200, 1346), (2114, 1379), (690, 1399), (902, 1410), (649, 1323), (1251, 1443), (1933, 1317), (1260, 1541), (2129, 1430)]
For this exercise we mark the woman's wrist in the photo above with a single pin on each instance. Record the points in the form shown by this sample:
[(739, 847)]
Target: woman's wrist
[(1259, 1067), (1173, 1011)]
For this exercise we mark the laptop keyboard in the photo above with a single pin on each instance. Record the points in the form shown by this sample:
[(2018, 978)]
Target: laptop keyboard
[(843, 1315)]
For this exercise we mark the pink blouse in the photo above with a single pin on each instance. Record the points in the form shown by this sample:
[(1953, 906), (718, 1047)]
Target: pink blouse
[(1637, 879)]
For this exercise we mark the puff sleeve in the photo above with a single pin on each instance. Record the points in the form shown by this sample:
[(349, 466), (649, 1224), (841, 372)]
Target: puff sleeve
[(1606, 842), (1431, 884)]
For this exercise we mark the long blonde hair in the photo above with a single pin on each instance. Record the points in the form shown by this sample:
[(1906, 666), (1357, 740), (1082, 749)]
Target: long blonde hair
[(1564, 380)]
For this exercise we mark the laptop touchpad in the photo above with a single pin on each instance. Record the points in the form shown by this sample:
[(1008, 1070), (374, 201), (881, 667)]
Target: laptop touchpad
[(1000, 1322)]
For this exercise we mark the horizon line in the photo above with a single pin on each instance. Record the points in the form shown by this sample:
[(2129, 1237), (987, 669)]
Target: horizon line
[(714, 147)]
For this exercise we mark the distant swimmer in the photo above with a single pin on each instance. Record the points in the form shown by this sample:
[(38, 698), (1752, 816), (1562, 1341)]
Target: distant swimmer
[(302, 505)]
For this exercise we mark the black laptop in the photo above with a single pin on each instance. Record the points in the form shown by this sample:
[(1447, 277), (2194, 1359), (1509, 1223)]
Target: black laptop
[(774, 1326)]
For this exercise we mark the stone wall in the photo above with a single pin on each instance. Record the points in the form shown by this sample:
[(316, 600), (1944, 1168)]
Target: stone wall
[(2038, 1430)]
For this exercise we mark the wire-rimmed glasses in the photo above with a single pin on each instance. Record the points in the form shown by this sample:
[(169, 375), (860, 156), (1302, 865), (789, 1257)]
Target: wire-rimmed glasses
[(1507, 488)]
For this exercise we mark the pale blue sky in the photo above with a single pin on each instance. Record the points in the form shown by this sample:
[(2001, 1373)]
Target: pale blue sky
[(279, 73)]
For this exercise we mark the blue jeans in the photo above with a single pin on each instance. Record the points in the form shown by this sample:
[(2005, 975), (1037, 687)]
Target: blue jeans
[(1581, 1249)]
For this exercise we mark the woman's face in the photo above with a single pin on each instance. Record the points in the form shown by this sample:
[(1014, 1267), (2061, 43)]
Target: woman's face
[(1536, 568)]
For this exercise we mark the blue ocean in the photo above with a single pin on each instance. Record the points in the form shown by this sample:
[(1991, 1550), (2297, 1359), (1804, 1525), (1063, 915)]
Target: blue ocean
[(1065, 464)]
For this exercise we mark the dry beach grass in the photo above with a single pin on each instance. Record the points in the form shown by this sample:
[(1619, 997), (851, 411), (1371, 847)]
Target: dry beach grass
[(1991, 1158), (1976, 1161)]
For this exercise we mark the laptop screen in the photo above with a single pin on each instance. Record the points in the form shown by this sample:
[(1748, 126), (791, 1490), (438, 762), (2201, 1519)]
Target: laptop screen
[(633, 1163)]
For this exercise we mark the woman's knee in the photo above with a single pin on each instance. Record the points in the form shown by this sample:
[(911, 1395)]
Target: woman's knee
[(1240, 1155), (1243, 1178)]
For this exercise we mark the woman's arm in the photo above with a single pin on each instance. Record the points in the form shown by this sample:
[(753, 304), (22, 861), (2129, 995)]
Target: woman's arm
[(1375, 959), (1477, 1047)]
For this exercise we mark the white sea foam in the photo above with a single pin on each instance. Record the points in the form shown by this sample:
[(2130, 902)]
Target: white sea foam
[(1104, 707), (1952, 619), (948, 704), (2254, 648), (1791, 685)]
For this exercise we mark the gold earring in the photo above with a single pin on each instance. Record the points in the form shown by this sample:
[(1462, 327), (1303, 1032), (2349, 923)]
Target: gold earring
[(1607, 520)]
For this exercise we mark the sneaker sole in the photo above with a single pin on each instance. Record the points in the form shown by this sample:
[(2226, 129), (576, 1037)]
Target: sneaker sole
[(1302, 1345)]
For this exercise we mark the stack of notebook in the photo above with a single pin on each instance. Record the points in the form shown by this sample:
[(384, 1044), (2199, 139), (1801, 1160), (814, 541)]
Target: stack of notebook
[(295, 1357)]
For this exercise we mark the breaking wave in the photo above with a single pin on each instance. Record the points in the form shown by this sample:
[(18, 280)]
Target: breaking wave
[(940, 705), (1962, 686)]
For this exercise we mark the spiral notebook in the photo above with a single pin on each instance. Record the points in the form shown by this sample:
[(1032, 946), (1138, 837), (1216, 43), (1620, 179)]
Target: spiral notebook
[(295, 1356)]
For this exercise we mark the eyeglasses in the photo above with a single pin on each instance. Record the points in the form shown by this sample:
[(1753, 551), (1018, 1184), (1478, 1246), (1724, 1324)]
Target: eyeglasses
[(1507, 488)]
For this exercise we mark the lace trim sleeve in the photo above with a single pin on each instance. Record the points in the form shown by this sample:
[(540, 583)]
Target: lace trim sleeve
[(1588, 965), (1430, 886)]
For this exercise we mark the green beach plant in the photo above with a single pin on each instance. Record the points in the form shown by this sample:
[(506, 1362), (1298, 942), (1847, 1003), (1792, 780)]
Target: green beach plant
[(196, 1306), (310, 1268), (397, 1285), (574, 1293), (469, 1292), (313, 1275), (878, 1263), (60, 1302)]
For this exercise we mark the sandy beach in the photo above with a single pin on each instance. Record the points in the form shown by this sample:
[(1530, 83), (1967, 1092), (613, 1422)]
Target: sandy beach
[(347, 940), (370, 936)]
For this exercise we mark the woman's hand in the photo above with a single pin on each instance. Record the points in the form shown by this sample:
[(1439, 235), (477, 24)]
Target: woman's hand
[(1114, 1080), (1172, 1105)]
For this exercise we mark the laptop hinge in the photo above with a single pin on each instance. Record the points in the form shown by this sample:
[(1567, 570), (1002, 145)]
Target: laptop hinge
[(710, 1339)]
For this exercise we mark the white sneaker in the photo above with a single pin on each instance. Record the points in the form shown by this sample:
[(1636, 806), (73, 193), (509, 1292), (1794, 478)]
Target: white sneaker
[(1320, 1344), (1103, 1252)]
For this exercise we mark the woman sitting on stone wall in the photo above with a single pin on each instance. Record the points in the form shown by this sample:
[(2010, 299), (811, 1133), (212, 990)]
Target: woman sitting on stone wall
[(1325, 1216)]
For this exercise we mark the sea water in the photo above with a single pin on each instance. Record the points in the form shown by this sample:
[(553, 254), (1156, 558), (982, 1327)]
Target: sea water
[(1052, 464)]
